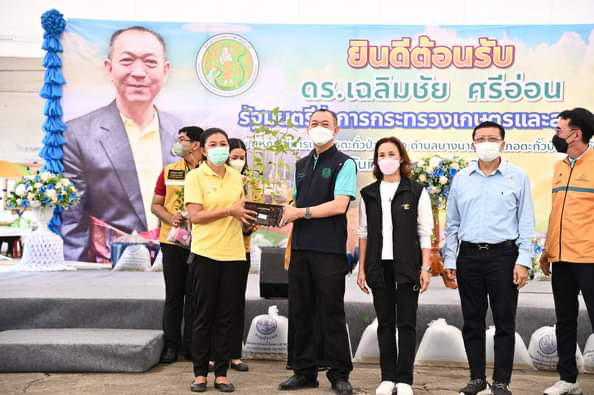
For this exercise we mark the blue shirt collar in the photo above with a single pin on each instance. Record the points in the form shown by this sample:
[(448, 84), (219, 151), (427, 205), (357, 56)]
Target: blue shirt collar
[(474, 167)]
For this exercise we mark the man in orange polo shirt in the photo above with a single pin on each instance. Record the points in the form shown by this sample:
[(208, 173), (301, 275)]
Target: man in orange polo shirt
[(569, 246)]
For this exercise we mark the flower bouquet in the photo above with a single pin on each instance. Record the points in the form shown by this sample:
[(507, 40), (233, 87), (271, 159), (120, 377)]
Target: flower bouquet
[(181, 235), (436, 173), (44, 250), (43, 190)]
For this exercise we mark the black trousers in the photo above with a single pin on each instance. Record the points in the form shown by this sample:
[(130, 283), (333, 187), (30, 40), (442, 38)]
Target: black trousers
[(316, 292), (487, 276), (239, 323), (396, 305), (568, 280), (216, 286), (175, 272), (291, 342)]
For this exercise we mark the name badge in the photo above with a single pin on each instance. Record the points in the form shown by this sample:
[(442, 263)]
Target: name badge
[(405, 206), (176, 175)]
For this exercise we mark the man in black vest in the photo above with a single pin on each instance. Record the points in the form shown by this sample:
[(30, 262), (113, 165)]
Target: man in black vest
[(325, 183)]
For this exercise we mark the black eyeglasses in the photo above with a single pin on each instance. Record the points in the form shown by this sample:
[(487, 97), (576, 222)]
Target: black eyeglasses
[(487, 140)]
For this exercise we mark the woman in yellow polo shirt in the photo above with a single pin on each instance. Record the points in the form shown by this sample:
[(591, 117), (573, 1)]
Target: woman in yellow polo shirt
[(214, 198)]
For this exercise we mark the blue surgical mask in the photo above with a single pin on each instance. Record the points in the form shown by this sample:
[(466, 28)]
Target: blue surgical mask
[(218, 155)]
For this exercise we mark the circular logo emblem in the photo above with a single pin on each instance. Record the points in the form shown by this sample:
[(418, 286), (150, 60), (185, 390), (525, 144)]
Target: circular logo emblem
[(548, 344), (266, 326), (227, 64), (326, 172)]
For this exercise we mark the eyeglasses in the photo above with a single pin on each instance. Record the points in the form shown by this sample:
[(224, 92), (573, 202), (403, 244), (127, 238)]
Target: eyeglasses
[(487, 139), (183, 140), (559, 130)]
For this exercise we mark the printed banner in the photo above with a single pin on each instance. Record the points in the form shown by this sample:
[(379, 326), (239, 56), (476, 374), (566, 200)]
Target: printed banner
[(429, 86)]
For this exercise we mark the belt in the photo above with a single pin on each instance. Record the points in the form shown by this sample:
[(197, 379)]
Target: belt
[(487, 246)]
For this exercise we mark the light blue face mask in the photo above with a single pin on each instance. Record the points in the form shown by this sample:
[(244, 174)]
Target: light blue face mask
[(218, 155), (181, 149)]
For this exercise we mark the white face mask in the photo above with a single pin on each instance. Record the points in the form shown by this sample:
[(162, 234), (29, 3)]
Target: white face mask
[(487, 151), (237, 164), (320, 135)]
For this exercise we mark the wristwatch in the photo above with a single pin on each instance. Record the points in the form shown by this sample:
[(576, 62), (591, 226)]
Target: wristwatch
[(307, 214), (427, 269)]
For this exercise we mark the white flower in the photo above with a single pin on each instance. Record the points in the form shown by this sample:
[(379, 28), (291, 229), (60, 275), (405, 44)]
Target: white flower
[(20, 190), (65, 182), (422, 178), (35, 203), (51, 193), (443, 180), (435, 162), (436, 190), (19, 202), (37, 185), (428, 169), (45, 176), (30, 196), (454, 166)]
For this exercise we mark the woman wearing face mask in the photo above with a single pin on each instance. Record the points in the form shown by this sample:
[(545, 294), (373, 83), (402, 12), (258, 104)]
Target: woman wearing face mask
[(214, 198), (395, 226), (167, 206), (238, 161)]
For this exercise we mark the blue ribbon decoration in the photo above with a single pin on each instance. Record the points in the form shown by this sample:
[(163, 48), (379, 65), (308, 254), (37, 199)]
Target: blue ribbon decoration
[(53, 24)]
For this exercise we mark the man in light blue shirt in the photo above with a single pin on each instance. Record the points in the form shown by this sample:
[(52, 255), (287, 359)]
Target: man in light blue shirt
[(489, 231)]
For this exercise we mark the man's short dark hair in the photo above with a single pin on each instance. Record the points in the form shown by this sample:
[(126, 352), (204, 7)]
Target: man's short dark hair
[(490, 124), (193, 132), (580, 118), (331, 113), (139, 29)]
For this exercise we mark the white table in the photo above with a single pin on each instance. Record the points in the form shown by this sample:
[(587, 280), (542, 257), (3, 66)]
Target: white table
[(7, 231)]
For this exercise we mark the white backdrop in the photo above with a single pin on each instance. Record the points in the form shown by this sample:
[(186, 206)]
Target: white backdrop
[(20, 28)]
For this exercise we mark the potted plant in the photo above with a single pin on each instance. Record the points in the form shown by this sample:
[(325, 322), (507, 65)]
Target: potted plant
[(274, 149)]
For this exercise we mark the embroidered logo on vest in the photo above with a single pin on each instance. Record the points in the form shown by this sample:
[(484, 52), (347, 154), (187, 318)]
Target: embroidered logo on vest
[(326, 172)]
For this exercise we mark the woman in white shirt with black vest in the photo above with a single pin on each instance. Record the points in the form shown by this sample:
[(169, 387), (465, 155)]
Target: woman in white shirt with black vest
[(395, 227)]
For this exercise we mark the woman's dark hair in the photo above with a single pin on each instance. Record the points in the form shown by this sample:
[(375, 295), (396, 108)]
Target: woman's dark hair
[(235, 143), (405, 165), (209, 132)]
